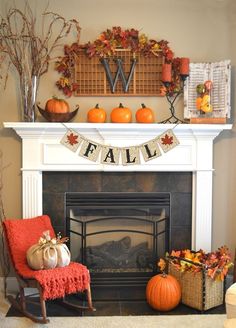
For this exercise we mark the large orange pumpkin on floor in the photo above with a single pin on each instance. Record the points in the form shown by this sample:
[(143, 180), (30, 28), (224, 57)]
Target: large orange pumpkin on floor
[(144, 115), (56, 105), (163, 292), (121, 114), (96, 115)]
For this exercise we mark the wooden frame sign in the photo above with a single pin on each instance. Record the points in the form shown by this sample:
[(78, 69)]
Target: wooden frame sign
[(122, 75)]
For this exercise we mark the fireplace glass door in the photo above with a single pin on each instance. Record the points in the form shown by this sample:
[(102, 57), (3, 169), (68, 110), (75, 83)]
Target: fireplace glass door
[(118, 236)]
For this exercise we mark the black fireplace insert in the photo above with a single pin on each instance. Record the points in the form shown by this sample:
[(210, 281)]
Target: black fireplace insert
[(119, 236)]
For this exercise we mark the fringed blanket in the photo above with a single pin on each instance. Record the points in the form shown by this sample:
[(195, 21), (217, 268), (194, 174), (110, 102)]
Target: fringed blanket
[(56, 283)]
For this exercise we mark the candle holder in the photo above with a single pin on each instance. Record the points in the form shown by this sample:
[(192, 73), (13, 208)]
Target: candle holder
[(171, 98)]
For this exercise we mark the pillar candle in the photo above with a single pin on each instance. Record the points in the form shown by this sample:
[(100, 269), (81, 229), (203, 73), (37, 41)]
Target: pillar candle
[(184, 66), (166, 73)]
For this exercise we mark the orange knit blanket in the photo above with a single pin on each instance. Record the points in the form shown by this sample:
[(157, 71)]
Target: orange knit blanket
[(56, 283)]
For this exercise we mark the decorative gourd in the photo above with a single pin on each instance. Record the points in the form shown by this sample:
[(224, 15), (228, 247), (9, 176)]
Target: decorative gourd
[(163, 292), (96, 115), (56, 105), (121, 114), (144, 115), (48, 253)]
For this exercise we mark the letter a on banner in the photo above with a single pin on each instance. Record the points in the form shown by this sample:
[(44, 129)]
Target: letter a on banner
[(110, 155)]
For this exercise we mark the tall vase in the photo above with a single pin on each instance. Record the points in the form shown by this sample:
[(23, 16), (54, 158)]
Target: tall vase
[(29, 88)]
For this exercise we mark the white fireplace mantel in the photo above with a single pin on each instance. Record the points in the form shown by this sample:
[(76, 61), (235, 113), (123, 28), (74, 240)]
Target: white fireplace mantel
[(42, 151)]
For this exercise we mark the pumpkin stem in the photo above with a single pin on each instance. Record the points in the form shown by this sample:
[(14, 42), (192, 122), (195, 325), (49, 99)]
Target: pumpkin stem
[(143, 106), (97, 106), (121, 106)]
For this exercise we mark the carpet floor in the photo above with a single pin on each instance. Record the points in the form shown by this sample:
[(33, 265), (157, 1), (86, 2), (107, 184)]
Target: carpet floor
[(186, 321)]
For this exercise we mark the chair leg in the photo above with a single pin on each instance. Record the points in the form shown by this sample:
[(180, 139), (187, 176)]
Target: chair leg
[(21, 307), (70, 305), (22, 299), (89, 299), (43, 305)]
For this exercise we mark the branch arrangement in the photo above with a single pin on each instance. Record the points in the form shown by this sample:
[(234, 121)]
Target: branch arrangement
[(27, 50), (27, 43)]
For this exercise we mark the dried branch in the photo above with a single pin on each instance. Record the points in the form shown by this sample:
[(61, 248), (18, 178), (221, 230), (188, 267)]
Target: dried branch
[(26, 49)]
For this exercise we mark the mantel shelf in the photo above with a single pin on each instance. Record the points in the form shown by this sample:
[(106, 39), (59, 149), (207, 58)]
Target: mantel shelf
[(25, 129)]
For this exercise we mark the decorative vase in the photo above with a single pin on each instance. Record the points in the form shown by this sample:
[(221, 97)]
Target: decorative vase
[(29, 88)]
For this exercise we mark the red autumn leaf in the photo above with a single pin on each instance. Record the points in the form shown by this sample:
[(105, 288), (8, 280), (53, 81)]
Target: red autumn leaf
[(72, 139), (167, 140)]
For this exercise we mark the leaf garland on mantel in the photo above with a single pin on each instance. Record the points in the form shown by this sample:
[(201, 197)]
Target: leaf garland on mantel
[(105, 46), (110, 155)]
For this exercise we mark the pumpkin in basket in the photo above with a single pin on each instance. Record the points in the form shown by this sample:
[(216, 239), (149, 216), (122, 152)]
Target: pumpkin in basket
[(144, 115), (163, 292), (56, 105), (48, 253), (121, 114)]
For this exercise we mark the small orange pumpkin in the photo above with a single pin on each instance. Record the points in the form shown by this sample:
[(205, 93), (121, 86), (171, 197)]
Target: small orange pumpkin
[(144, 115), (96, 115), (163, 292), (121, 114), (56, 105)]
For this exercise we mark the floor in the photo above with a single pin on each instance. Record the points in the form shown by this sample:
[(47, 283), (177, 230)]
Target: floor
[(107, 305)]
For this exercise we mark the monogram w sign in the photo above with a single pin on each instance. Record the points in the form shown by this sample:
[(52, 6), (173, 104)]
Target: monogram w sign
[(122, 75)]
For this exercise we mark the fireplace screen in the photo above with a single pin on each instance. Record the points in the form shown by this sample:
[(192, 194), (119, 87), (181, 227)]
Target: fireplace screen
[(116, 233)]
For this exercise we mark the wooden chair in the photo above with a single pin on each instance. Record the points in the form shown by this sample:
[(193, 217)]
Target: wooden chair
[(74, 278)]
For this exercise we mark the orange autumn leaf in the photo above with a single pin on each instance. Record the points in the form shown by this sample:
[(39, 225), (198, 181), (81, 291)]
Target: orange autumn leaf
[(175, 253), (162, 264), (72, 139)]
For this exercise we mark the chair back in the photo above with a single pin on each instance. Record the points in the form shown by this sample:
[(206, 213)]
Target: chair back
[(23, 233)]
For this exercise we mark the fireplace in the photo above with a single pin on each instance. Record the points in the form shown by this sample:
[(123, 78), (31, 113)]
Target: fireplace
[(118, 236), (42, 152)]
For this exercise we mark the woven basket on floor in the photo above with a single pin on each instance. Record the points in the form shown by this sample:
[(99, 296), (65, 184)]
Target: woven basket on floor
[(199, 291)]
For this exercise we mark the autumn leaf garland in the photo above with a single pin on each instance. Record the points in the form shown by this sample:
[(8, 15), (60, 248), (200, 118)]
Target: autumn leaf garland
[(105, 46)]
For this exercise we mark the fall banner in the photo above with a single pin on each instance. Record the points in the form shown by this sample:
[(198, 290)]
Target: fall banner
[(129, 155)]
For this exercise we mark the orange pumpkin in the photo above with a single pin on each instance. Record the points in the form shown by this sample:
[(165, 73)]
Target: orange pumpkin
[(163, 292), (96, 115), (144, 115), (121, 114), (56, 105)]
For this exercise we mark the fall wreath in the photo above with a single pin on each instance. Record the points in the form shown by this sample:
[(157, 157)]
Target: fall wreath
[(105, 46)]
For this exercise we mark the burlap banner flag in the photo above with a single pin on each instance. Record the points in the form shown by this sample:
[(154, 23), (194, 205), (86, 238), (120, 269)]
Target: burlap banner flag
[(71, 140), (111, 155), (130, 155), (167, 140), (90, 150), (150, 150)]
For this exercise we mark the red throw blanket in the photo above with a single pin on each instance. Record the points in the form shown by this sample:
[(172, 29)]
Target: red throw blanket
[(56, 283)]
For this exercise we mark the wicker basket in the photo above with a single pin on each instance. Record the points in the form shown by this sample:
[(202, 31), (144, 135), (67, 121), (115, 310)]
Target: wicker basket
[(199, 291)]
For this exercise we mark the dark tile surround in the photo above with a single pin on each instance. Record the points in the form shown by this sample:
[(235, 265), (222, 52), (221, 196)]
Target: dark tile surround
[(179, 184)]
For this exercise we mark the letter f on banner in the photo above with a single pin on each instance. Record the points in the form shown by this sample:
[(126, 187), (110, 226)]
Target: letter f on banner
[(120, 72)]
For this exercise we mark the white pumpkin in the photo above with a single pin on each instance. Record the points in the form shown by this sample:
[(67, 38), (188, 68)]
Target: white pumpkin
[(48, 255)]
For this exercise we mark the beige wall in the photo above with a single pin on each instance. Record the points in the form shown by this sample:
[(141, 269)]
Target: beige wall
[(203, 30)]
